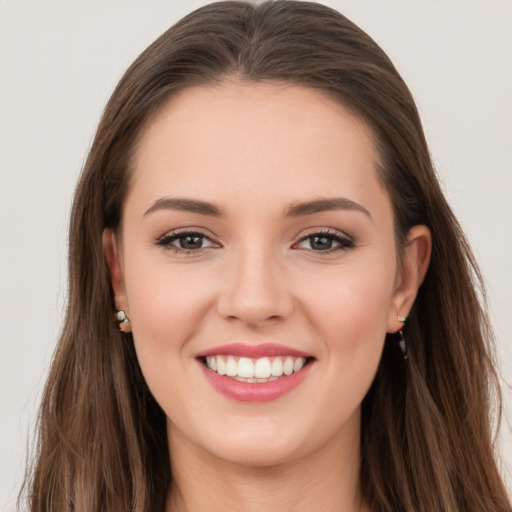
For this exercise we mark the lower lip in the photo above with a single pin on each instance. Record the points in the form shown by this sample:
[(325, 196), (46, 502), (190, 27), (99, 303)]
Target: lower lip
[(253, 392)]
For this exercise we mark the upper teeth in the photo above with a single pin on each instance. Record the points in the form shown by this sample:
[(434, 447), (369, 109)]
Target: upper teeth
[(262, 368)]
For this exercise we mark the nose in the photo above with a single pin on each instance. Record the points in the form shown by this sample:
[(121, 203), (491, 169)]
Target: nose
[(255, 289)]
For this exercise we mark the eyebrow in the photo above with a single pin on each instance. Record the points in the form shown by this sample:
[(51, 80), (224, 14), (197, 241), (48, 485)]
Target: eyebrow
[(186, 205), (295, 210), (324, 205)]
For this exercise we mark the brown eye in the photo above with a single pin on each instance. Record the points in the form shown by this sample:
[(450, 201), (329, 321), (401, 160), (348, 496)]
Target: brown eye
[(320, 243), (190, 242)]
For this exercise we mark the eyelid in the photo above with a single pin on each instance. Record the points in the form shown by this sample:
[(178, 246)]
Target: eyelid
[(323, 231), (189, 230)]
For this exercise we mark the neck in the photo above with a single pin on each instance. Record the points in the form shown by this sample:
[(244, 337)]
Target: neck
[(325, 480)]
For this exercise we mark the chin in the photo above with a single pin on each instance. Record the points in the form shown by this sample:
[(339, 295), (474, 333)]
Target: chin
[(277, 441), (258, 454), (249, 442)]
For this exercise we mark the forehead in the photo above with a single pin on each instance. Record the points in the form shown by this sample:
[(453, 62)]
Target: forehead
[(270, 139)]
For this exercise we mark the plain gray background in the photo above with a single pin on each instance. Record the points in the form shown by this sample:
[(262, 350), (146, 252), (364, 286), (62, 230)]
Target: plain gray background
[(59, 62)]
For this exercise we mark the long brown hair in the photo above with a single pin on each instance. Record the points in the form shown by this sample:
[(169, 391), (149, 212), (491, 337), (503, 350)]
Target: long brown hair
[(427, 441)]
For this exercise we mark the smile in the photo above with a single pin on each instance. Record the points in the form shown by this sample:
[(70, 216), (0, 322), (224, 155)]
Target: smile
[(260, 370), (255, 373)]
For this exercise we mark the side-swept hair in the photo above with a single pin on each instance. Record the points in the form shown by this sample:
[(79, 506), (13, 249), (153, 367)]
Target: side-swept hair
[(427, 442)]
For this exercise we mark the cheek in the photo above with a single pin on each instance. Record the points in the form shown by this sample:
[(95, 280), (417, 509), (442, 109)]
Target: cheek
[(349, 311), (165, 309)]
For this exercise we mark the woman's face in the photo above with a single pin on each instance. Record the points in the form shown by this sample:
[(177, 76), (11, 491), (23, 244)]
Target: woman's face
[(257, 240)]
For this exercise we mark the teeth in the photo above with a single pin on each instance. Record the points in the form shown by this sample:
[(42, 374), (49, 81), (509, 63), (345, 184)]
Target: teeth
[(245, 368), (231, 367), (298, 364), (211, 362), (264, 369), (221, 366), (251, 381), (288, 366), (276, 369)]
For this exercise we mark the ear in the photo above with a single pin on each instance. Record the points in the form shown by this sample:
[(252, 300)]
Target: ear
[(114, 262), (415, 261)]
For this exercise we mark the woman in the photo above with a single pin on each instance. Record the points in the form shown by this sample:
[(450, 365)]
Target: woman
[(299, 328)]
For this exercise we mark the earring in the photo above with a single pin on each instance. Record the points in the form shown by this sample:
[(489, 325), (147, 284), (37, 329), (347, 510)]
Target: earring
[(123, 321), (401, 341), (402, 345)]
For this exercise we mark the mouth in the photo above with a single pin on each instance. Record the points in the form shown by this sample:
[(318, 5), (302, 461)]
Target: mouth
[(251, 370), (255, 373)]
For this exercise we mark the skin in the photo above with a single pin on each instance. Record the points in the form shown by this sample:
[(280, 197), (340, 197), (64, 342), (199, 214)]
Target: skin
[(255, 150)]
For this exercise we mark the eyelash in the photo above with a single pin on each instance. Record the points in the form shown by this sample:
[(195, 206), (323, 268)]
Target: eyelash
[(166, 241), (344, 243)]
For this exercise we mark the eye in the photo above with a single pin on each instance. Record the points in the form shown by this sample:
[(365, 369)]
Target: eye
[(325, 242), (186, 241)]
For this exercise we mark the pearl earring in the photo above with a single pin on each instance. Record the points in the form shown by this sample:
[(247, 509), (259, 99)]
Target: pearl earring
[(123, 321)]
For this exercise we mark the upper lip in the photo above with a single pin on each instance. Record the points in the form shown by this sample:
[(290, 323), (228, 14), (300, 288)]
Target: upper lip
[(253, 351)]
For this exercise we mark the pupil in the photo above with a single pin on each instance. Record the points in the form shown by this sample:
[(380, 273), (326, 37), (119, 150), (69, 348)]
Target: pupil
[(191, 242), (320, 242)]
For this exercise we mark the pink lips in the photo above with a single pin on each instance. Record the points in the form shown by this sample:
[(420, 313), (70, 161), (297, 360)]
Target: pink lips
[(253, 351), (254, 392)]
